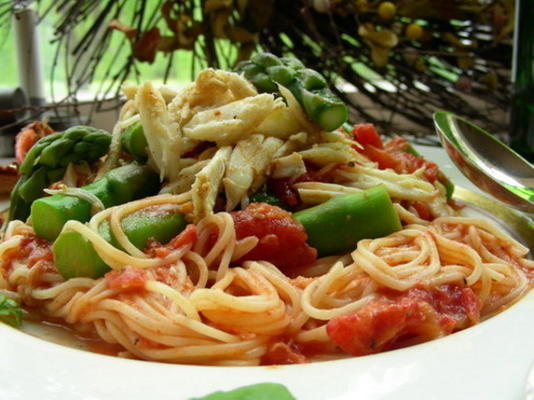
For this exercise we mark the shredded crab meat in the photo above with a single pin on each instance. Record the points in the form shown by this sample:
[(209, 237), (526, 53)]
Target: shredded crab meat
[(218, 134), (207, 184), (163, 137), (211, 89), (231, 122), (288, 166), (248, 164)]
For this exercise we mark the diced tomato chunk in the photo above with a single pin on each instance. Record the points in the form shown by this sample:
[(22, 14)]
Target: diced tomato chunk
[(382, 157), (408, 163), (418, 315), (397, 143), (127, 279), (393, 154), (282, 239), (186, 237), (423, 210), (284, 190), (32, 250), (281, 353), (366, 134), (431, 171), (283, 187)]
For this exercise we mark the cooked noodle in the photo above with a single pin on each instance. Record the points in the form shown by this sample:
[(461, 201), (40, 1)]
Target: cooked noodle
[(194, 308)]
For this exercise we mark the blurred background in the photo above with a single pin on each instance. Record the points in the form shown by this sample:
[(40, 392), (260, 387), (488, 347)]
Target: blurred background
[(394, 62)]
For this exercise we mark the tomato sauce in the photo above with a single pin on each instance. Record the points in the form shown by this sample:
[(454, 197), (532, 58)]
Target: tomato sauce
[(415, 316), (284, 188), (188, 236), (282, 239), (394, 154), (126, 279), (31, 251)]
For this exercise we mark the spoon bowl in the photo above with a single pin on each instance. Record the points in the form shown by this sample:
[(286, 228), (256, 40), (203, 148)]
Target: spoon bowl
[(487, 162)]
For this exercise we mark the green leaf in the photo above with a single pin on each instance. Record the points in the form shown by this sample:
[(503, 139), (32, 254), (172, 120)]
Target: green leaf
[(10, 312), (260, 391)]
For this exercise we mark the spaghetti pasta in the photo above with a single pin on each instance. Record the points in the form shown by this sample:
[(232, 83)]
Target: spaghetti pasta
[(232, 316)]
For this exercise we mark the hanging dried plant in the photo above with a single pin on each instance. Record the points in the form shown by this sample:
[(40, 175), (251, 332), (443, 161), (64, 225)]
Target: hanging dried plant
[(405, 58)]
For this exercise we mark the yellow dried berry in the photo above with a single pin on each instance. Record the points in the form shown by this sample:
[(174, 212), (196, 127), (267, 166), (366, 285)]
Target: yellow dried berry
[(414, 31), (387, 10)]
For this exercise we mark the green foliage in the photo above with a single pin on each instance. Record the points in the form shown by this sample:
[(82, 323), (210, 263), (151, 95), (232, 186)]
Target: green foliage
[(10, 311)]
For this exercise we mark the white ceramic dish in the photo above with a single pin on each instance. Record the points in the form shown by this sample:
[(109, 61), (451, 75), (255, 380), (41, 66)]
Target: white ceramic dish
[(490, 361)]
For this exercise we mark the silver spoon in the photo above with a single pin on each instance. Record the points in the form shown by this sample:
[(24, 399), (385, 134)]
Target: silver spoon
[(487, 162)]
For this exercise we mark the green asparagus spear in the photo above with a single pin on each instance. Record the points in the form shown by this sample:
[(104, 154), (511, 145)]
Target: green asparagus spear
[(133, 140), (264, 82), (266, 60), (46, 161), (336, 226), (292, 62), (49, 150), (311, 80), (323, 107), (118, 186), (260, 391), (75, 256), (309, 87), (281, 74)]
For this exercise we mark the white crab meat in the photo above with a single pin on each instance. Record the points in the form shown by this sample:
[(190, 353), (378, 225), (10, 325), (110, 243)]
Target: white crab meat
[(163, 136), (262, 163), (212, 88), (288, 166), (208, 182), (294, 143), (231, 122), (248, 167), (185, 178), (280, 123), (327, 153)]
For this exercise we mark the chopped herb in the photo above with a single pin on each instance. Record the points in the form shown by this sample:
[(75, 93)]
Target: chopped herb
[(10, 311), (264, 197)]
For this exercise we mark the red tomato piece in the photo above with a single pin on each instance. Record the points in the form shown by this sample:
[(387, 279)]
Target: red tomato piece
[(397, 143), (283, 187), (366, 134), (281, 353), (284, 190), (39, 250), (407, 162), (33, 249), (127, 279), (187, 236), (419, 315), (282, 239), (431, 171), (382, 157), (423, 210)]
